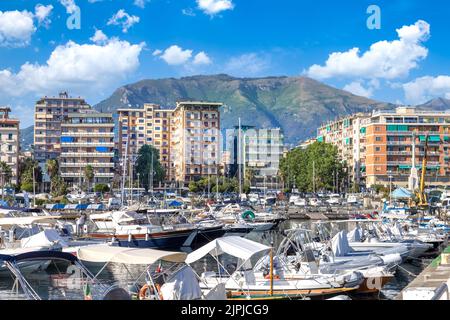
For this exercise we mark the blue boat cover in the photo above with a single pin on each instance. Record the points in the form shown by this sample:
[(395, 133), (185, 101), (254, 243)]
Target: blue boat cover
[(402, 193)]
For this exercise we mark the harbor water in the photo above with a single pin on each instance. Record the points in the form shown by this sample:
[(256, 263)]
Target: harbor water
[(44, 283)]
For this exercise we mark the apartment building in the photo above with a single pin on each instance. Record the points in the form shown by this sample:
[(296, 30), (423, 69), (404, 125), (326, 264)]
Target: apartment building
[(195, 141), (48, 116), (87, 138), (196, 124), (259, 152), (395, 146), (348, 134), (389, 146), (150, 125), (9, 140)]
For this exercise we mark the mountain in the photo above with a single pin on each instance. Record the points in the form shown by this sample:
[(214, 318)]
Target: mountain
[(26, 138), (298, 105), (438, 104)]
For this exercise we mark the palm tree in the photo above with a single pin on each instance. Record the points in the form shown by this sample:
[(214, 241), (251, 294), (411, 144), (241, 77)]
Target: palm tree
[(6, 174), (89, 175), (52, 168)]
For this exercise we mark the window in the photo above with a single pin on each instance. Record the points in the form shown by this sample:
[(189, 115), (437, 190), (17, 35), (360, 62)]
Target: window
[(377, 149), (378, 139)]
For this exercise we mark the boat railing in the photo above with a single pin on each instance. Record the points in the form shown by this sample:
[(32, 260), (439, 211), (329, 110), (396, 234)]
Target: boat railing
[(442, 292)]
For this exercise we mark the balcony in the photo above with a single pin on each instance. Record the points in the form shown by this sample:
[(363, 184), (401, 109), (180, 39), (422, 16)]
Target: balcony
[(88, 144), (88, 134), (87, 154), (78, 174), (84, 164)]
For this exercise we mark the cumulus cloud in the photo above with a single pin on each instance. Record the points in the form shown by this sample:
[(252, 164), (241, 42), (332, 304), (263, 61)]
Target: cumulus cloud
[(123, 19), (84, 67), (213, 7), (202, 58), (426, 88), (249, 64), (16, 28), (99, 37), (42, 14), (357, 88), (175, 55), (384, 59)]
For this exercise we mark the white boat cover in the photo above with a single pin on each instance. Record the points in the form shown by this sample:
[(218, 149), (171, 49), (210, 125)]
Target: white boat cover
[(235, 246), (18, 221), (340, 244), (134, 256), (47, 239), (182, 286), (355, 235)]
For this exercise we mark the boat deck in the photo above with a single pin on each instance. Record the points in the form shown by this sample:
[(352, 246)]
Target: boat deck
[(434, 278)]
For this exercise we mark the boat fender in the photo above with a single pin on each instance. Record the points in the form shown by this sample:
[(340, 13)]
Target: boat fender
[(275, 277), (143, 291), (146, 287)]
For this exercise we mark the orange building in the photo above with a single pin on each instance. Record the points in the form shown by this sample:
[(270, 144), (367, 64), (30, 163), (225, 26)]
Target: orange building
[(378, 147)]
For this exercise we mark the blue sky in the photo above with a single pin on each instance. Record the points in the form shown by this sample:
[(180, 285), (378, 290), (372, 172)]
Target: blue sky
[(406, 61)]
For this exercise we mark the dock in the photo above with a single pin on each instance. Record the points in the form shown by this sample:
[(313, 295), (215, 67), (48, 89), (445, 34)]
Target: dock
[(337, 213), (433, 283)]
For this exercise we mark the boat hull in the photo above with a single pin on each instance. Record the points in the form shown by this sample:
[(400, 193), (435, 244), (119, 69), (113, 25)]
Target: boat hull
[(206, 235), (167, 240)]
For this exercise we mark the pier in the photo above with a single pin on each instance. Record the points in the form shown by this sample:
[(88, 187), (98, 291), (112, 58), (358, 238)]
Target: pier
[(433, 283)]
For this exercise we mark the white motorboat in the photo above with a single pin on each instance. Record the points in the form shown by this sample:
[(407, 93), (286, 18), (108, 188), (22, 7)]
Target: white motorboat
[(243, 281)]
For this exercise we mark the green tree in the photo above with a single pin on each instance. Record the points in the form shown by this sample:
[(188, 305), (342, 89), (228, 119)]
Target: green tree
[(57, 185), (144, 166), (89, 175), (101, 188), (6, 173), (316, 167), (25, 169)]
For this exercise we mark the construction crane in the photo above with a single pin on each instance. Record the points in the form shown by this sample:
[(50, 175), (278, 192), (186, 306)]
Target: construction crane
[(423, 201)]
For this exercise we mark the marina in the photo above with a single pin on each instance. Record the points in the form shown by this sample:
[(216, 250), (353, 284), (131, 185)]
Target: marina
[(218, 251)]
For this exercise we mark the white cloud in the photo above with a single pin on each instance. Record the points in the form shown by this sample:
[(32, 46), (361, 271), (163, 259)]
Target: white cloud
[(140, 3), (384, 59), (249, 64), (124, 19), (16, 28), (202, 58), (427, 88), (42, 14), (157, 52), (188, 12), (83, 67), (357, 88), (70, 5), (213, 7), (175, 55), (99, 37)]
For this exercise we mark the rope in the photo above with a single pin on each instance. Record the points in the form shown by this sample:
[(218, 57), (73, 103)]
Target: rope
[(408, 272)]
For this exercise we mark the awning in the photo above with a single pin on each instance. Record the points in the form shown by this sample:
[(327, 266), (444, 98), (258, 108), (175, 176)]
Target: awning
[(234, 246), (75, 207), (57, 206), (95, 207), (134, 256)]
